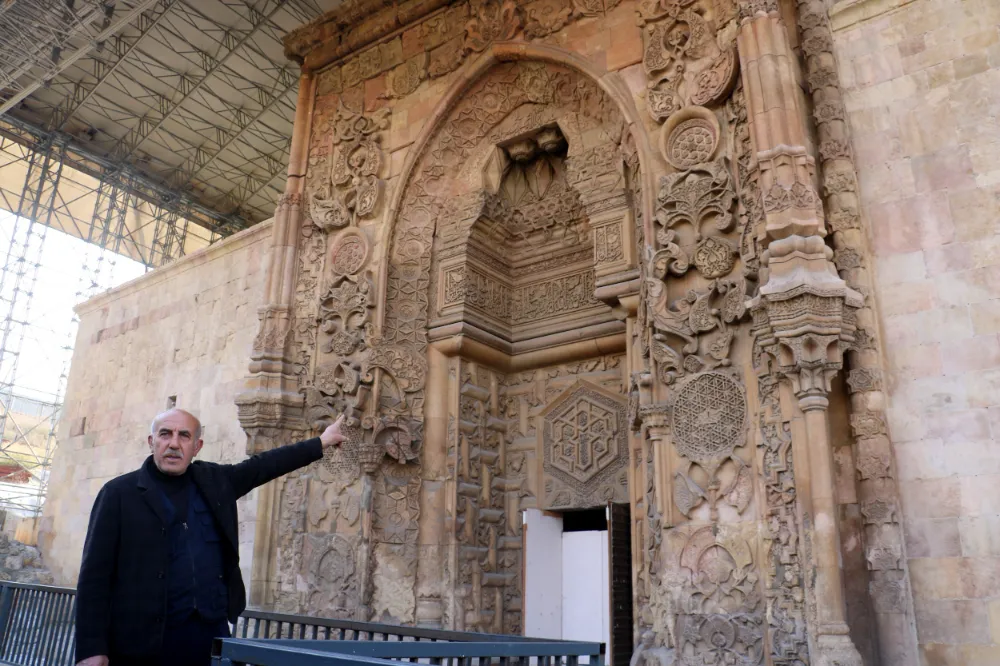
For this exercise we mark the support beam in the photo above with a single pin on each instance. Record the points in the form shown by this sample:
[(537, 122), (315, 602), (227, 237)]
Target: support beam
[(83, 92), (35, 138), (123, 20), (126, 147)]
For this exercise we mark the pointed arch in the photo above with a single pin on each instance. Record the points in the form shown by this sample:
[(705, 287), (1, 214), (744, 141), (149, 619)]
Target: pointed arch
[(498, 53)]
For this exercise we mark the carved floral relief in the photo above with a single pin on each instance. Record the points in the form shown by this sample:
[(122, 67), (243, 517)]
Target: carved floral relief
[(353, 188), (684, 62)]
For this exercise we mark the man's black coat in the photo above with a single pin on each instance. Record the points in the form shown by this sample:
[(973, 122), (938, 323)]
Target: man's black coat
[(122, 591)]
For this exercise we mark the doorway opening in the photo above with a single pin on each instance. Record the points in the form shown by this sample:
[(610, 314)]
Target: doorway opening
[(578, 577)]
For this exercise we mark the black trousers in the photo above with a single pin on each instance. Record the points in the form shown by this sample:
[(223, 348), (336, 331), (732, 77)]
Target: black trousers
[(185, 643)]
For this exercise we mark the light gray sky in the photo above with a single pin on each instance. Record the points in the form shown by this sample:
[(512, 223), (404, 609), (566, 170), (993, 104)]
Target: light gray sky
[(69, 271)]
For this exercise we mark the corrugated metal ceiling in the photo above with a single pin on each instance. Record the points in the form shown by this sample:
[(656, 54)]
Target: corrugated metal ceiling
[(195, 94)]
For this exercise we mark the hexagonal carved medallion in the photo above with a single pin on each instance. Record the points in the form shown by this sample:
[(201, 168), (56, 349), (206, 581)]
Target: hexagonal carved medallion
[(584, 448)]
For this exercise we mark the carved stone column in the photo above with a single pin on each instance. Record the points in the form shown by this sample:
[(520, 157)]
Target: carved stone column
[(877, 491), (804, 313), (270, 406), (271, 398), (802, 333), (434, 537)]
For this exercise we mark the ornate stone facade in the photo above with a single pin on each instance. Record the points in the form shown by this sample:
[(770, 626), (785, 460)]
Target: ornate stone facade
[(531, 282)]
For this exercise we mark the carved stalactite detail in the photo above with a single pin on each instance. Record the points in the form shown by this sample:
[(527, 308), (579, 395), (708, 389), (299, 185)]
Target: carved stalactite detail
[(424, 203), (751, 8)]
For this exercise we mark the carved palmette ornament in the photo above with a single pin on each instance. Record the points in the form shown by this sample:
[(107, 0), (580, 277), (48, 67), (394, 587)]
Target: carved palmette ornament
[(683, 60), (662, 98), (396, 437), (547, 17), (674, 32), (715, 584), (404, 368), (702, 200), (715, 83), (493, 20), (696, 332), (344, 313)]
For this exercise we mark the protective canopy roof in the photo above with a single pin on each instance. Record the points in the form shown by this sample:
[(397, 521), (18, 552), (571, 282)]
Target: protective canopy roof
[(195, 94)]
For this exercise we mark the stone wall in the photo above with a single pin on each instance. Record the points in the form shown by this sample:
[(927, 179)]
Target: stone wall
[(922, 91), (21, 563), (182, 331)]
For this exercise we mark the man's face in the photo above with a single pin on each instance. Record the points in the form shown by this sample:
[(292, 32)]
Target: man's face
[(173, 444)]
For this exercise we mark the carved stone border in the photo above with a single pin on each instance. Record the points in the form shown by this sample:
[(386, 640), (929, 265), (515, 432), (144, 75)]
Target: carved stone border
[(889, 586)]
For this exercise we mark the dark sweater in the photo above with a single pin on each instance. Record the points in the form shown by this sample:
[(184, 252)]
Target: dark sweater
[(195, 580), (176, 488)]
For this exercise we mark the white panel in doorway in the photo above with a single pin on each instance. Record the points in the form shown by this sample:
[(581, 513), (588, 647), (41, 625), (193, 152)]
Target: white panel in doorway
[(543, 574), (585, 600)]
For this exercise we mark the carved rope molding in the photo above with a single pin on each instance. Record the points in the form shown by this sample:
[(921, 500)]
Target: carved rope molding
[(889, 587)]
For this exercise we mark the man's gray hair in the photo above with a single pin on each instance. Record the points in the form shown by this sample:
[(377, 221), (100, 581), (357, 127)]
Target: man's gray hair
[(159, 417)]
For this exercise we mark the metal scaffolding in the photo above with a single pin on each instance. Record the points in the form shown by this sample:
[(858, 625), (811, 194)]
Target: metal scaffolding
[(46, 182), (147, 128)]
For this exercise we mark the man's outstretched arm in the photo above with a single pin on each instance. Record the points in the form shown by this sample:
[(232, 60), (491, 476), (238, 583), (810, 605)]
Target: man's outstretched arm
[(269, 465), (97, 570)]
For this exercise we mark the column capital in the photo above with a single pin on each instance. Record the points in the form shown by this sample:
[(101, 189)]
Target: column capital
[(751, 9), (656, 419), (804, 315)]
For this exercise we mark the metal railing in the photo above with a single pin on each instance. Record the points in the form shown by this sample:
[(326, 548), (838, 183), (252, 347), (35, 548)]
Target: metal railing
[(37, 628), (36, 624), (496, 651), (262, 624)]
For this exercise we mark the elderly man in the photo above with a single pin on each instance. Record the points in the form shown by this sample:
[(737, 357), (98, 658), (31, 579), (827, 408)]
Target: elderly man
[(160, 576)]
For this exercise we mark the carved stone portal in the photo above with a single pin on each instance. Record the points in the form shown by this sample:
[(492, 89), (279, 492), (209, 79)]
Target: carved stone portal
[(522, 317)]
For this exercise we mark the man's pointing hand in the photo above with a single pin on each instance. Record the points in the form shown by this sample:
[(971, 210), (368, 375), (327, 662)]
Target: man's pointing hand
[(94, 661), (332, 435)]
